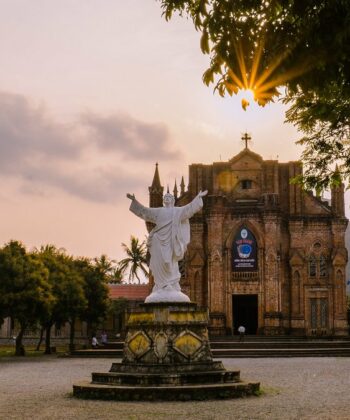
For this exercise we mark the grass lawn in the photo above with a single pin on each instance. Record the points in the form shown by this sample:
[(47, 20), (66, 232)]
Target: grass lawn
[(9, 351)]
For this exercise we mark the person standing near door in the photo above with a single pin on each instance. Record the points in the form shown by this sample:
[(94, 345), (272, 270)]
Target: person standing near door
[(241, 331)]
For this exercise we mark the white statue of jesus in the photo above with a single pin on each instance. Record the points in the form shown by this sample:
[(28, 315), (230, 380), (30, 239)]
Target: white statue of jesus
[(167, 244)]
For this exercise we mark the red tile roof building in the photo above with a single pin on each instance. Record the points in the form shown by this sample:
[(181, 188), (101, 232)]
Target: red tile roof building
[(135, 292)]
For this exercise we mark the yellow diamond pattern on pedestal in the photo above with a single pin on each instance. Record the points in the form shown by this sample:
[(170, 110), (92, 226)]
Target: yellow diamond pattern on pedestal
[(187, 343), (139, 344)]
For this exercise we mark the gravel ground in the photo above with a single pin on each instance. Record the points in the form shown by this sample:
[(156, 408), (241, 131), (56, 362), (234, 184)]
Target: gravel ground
[(293, 388)]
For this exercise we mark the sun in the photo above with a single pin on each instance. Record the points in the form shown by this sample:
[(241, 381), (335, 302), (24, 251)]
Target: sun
[(247, 97), (253, 82)]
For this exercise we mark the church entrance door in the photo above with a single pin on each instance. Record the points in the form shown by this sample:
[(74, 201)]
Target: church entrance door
[(245, 312)]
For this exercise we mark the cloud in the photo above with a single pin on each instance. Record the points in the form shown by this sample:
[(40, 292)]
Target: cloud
[(46, 154), (28, 134), (132, 138), (93, 185)]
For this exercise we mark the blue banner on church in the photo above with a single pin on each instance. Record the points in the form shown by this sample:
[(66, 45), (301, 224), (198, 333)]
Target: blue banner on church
[(244, 252)]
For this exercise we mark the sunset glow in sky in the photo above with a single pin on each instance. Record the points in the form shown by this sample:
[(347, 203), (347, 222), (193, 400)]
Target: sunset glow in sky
[(93, 93)]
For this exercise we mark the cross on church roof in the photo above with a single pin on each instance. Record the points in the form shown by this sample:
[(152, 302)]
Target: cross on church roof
[(246, 137)]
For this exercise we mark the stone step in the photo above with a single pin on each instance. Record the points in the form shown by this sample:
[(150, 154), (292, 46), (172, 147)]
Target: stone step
[(253, 346), (279, 345), (303, 352), (97, 353), (113, 345), (183, 378), (238, 352), (260, 341), (88, 390), (160, 368), (276, 338)]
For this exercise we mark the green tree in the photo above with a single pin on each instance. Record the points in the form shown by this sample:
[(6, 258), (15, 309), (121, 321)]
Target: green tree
[(104, 264), (49, 257), (303, 46), (95, 290), (112, 270), (117, 275), (324, 118), (67, 289), (74, 302), (117, 308), (136, 259), (25, 293)]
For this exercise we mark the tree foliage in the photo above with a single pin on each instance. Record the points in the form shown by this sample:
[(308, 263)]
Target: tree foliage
[(25, 292), (117, 306), (324, 119), (303, 46), (95, 290), (136, 259), (47, 287), (112, 270), (67, 288), (117, 275)]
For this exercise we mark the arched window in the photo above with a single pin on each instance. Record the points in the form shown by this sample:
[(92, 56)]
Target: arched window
[(312, 266), (317, 246), (323, 266), (296, 278)]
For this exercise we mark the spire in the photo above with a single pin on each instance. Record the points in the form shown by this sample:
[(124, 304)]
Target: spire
[(156, 190), (156, 178), (182, 186), (175, 190)]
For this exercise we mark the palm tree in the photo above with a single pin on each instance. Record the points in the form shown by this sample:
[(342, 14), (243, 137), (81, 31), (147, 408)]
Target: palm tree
[(136, 259), (104, 264), (116, 275)]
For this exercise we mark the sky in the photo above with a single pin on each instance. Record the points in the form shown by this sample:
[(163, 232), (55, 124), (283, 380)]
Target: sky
[(92, 94)]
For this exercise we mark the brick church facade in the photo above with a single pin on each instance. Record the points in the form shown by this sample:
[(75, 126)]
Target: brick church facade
[(263, 252)]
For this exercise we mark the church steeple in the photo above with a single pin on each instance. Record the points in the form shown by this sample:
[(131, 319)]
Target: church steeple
[(156, 178), (156, 190), (182, 186), (175, 190)]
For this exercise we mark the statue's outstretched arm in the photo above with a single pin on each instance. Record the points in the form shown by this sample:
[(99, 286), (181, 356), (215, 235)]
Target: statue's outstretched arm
[(202, 193), (145, 213), (195, 205)]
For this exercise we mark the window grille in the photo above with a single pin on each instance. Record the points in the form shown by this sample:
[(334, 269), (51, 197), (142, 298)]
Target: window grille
[(324, 312), (323, 266)]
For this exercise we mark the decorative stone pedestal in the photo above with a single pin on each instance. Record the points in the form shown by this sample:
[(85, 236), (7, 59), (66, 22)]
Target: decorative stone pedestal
[(166, 357)]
